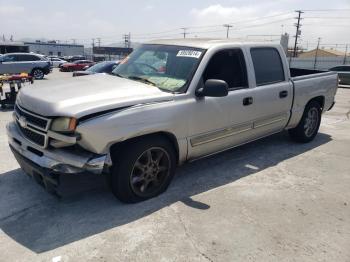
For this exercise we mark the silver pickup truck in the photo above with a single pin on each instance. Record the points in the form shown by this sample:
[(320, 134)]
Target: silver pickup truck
[(169, 102)]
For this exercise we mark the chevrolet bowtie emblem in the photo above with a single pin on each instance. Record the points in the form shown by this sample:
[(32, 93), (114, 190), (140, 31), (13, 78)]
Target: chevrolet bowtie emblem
[(22, 121)]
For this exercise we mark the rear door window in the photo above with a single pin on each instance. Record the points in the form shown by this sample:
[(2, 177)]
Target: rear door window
[(268, 65), (27, 58)]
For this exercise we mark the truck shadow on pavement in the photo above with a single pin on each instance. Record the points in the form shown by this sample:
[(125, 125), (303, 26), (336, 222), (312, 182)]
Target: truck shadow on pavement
[(41, 222)]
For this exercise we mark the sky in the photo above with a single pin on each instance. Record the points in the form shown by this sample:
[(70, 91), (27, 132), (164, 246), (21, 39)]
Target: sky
[(150, 19)]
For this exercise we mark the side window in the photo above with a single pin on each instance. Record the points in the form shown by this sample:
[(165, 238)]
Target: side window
[(8, 58), (338, 68), (23, 58), (228, 65), (343, 68), (268, 66), (27, 58)]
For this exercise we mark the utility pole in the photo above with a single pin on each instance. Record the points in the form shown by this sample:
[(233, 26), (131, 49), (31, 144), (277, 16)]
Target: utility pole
[(98, 41), (227, 28), (298, 32), (93, 47), (346, 51), (316, 53), (184, 32), (126, 40)]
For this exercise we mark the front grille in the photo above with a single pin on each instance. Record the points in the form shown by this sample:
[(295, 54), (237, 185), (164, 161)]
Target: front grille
[(33, 136), (33, 127), (32, 119)]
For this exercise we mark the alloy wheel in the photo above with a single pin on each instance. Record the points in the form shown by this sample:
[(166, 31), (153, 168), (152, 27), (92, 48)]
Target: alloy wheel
[(311, 122), (150, 171), (38, 74)]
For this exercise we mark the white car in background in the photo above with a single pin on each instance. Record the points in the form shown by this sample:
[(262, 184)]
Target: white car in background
[(56, 62)]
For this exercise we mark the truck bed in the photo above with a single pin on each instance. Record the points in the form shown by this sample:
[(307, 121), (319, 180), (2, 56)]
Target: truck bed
[(308, 84), (301, 72)]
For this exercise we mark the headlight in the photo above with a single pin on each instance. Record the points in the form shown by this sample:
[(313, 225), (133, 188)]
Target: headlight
[(64, 124)]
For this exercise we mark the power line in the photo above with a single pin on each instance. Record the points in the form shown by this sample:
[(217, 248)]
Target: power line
[(326, 17), (326, 10), (217, 25)]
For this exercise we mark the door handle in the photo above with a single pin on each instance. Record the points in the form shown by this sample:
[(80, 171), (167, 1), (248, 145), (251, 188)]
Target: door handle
[(283, 94), (247, 101)]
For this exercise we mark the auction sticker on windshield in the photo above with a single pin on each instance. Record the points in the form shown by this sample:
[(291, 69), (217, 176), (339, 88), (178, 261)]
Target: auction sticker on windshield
[(189, 53)]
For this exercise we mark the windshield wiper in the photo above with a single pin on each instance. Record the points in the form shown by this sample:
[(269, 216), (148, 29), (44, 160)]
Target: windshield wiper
[(145, 80)]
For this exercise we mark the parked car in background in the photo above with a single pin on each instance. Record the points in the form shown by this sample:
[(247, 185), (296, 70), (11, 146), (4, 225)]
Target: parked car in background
[(75, 66), (74, 58), (138, 123), (33, 64), (57, 62), (103, 67), (343, 73)]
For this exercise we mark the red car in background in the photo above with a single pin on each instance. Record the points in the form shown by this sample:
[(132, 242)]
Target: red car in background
[(76, 65)]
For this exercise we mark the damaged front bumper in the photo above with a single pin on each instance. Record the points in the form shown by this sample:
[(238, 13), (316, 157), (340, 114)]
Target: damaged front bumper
[(60, 160)]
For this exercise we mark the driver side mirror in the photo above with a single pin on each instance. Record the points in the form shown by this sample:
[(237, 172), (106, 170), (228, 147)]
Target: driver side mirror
[(213, 88)]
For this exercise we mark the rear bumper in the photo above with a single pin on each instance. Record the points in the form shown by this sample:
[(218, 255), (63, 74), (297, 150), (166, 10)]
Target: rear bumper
[(59, 161)]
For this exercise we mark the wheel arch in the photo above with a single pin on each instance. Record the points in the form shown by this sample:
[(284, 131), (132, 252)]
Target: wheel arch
[(319, 99), (117, 147)]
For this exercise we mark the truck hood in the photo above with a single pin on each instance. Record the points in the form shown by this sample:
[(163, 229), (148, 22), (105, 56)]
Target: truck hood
[(81, 96)]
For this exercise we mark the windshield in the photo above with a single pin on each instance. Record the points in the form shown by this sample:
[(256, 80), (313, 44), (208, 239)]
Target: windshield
[(169, 68)]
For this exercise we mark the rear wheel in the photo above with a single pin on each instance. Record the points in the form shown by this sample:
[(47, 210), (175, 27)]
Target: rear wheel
[(309, 124), (143, 169), (38, 73)]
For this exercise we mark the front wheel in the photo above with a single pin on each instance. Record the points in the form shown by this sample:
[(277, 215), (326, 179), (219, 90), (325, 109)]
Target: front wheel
[(37, 73), (309, 124), (143, 169)]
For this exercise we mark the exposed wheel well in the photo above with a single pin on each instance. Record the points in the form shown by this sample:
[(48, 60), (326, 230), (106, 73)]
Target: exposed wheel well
[(319, 100), (117, 147)]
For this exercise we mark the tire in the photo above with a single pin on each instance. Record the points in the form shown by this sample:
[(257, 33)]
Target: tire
[(38, 73), (136, 176), (309, 124)]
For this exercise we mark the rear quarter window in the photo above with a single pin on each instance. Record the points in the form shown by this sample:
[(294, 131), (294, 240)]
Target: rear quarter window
[(268, 65)]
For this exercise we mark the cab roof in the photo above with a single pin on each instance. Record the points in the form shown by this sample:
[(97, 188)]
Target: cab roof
[(206, 43)]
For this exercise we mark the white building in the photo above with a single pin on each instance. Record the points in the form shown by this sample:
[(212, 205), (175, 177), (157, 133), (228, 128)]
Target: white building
[(55, 49)]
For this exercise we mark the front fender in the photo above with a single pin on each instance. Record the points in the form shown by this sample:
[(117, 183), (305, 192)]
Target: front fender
[(100, 133)]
